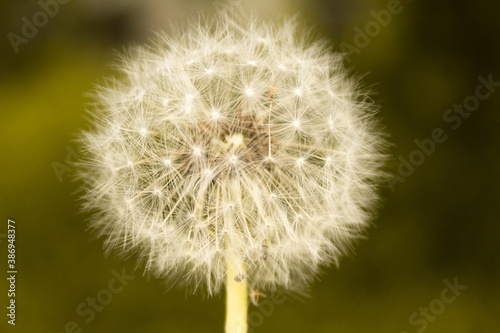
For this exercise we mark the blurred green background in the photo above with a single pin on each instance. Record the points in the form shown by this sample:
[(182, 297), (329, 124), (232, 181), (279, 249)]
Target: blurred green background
[(441, 223)]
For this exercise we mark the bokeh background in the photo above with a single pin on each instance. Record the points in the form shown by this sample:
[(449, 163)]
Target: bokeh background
[(441, 223)]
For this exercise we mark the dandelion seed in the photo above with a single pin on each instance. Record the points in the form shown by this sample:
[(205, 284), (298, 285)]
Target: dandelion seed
[(255, 295), (233, 159), (167, 162), (197, 151), (215, 115)]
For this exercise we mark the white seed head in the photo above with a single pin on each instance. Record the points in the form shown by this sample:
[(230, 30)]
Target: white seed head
[(220, 143)]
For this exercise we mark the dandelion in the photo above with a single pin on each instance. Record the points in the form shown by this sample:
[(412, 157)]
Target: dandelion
[(235, 154)]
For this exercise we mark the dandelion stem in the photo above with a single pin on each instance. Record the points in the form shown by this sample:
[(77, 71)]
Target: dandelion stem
[(236, 298)]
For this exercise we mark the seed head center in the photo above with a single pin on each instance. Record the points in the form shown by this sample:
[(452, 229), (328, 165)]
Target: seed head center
[(235, 140)]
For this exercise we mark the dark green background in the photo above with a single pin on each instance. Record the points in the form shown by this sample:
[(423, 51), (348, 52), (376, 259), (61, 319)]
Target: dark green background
[(441, 223)]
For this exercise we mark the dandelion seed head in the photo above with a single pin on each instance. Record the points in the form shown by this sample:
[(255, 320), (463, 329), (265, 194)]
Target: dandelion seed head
[(234, 139)]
